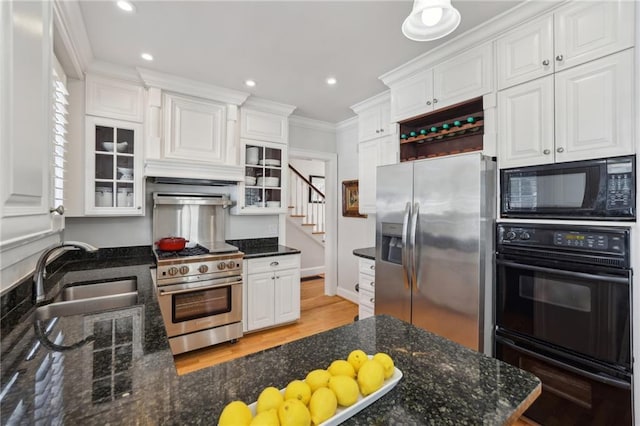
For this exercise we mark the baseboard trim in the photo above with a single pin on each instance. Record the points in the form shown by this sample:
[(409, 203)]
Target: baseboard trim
[(316, 270), (351, 296)]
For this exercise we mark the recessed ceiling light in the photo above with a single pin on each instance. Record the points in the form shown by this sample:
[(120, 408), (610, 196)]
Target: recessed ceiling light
[(125, 5), (147, 57), (331, 81), (250, 83)]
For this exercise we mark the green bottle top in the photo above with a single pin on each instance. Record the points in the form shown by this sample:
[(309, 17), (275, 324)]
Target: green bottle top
[(434, 129), (471, 120), (457, 123), (403, 136), (412, 134), (445, 126), (423, 132)]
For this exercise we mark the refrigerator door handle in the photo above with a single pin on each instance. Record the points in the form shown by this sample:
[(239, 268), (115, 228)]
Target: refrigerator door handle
[(405, 248), (415, 250)]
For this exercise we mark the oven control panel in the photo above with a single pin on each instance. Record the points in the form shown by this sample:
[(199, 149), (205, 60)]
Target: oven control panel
[(610, 240), (193, 268)]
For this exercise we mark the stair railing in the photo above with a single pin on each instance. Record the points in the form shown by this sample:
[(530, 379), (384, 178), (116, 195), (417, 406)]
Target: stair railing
[(306, 201)]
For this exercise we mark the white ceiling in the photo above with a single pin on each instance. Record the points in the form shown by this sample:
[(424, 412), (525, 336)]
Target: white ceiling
[(288, 47)]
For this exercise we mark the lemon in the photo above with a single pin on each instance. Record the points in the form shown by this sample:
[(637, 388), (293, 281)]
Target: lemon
[(370, 377), (345, 388), (235, 413), (266, 418), (297, 389), (318, 379), (356, 358), (294, 413), (386, 362), (340, 367), (269, 398), (322, 405)]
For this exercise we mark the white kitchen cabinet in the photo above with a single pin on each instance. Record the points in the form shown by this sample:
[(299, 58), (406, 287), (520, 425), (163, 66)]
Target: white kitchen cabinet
[(263, 126), (593, 105), (109, 98), (265, 184), (575, 34), (465, 76), (272, 291), (366, 287), (373, 122), (114, 180)]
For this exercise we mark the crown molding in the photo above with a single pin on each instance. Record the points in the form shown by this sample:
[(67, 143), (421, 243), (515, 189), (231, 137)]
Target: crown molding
[(69, 25), (174, 83), (384, 97), (310, 123), (471, 38), (342, 125), (265, 105), (109, 69)]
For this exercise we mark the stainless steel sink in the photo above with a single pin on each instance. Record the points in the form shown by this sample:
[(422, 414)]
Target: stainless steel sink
[(89, 298)]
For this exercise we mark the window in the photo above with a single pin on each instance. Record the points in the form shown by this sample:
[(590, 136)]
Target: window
[(59, 131)]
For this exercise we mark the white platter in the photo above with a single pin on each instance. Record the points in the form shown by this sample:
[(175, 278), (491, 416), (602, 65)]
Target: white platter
[(269, 162), (343, 413)]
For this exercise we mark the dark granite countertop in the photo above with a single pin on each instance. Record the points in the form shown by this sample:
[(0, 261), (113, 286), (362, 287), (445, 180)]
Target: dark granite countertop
[(367, 253), (262, 247), (127, 375)]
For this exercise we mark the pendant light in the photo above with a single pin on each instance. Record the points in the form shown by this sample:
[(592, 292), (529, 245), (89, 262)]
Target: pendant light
[(430, 20)]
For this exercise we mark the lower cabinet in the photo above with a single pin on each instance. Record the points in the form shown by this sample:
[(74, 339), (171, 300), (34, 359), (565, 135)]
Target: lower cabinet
[(366, 288), (272, 291)]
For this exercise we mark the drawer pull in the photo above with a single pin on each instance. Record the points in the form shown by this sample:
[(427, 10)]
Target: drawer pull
[(372, 300), (372, 283), (274, 263), (372, 267)]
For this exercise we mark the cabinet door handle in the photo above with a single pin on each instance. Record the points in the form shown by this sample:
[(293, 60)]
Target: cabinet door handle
[(274, 264), (377, 131), (381, 130), (545, 62), (435, 101), (428, 102), (278, 277), (372, 284), (561, 149), (372, 267), (59, 210), (546, 152), (372, 300), (559, 58)]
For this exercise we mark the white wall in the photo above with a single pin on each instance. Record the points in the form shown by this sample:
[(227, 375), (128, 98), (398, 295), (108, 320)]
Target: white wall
[(312, 135), (353, 233), (136, 231)]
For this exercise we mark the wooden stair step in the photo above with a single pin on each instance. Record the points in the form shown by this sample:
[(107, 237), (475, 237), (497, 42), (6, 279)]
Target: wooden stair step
[(291, 207), (297, 215), (318, 232), (308, 224)]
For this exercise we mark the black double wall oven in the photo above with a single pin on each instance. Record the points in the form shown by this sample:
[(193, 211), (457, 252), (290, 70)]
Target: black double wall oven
[(564, 291)]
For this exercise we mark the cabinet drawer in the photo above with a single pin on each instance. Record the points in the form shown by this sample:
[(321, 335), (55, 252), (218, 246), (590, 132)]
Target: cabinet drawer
[(367, 266), (365, 312), (115, 99), (274, 263), (366, 282), (366, 298)]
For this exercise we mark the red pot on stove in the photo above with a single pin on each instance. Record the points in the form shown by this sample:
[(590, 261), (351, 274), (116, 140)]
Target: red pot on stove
[(171, 243)]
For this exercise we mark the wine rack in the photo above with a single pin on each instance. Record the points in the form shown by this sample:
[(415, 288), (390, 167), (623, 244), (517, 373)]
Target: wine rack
[(453, 130)]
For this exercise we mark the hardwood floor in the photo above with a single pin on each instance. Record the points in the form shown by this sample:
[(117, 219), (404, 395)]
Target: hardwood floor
[(317, 313)]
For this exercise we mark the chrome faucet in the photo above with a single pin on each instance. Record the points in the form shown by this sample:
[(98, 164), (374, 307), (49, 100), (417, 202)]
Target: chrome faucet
[(40, 272)]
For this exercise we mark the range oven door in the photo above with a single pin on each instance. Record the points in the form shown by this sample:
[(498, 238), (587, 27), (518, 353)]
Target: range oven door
[(572, 394), (578, 308), (195, 306)]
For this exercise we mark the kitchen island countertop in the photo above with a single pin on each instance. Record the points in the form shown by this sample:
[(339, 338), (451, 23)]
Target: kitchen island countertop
[(367, 253), (134, 381)]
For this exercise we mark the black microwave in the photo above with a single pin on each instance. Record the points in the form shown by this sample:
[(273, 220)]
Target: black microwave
[(602, 189)]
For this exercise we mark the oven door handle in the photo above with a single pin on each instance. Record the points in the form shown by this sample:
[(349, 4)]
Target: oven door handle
[(168, 291), (607, 380), (608, 278)]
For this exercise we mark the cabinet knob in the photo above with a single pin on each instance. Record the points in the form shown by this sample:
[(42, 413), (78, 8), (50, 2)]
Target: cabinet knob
[(559, 58), (435, 101), (274, 264), (59, 210), (545, 62), (561, 149), (372, 283), (139, 207), (428, 102), (377, 131), (372, 267), (381, 130), (372, 300), (546, 152)]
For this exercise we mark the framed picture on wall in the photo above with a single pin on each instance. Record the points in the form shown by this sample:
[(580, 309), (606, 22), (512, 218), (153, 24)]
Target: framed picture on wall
[(318, 182), (350, 199)]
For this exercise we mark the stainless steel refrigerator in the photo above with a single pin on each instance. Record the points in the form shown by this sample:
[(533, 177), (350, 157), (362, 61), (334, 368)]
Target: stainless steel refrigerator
[(434, 245)]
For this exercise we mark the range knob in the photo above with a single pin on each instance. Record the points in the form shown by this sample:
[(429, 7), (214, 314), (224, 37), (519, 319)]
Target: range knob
[(172, 271), (525, 235), (184, 270), (222, 266), (203, 269), (510, 235), (231, 264)]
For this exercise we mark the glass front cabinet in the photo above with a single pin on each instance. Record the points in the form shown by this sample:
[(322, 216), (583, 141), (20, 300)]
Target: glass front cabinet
[(114, 178), (265, 183)]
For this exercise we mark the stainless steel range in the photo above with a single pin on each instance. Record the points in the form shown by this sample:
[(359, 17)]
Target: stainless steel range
[(199, 287)]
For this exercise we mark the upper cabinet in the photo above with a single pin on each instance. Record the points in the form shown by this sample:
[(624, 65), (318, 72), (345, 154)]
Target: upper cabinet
[(374, 122), (115, 99), (465, 76), (576, 33), (593, 118), (264, 138)]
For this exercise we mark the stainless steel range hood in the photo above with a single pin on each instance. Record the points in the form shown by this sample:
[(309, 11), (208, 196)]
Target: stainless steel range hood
[(187, 169)]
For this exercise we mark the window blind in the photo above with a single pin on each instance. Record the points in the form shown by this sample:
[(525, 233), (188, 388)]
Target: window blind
[(60, 103)]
